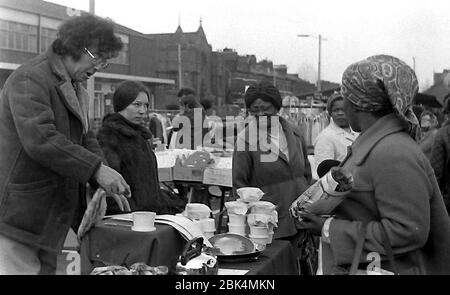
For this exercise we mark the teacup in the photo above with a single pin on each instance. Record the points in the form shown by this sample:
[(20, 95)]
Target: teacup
[(143, 221)]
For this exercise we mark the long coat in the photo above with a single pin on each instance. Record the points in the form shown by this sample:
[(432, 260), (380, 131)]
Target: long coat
[(281, 180), (46, 153), (440, 160), (127, 150), (389, 166)]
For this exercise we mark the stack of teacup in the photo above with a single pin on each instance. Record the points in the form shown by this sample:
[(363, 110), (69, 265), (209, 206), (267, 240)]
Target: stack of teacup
[(200, 215), (259, 223), (237, 217), (263, 217)]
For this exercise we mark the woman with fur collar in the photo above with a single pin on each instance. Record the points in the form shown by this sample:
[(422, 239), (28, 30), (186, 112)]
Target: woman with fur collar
[(125, 143)]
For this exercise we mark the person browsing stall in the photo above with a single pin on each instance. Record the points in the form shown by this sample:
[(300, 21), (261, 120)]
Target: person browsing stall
[(126, 144), (332, 142), (270, 154), (395, 210), (48, 153)]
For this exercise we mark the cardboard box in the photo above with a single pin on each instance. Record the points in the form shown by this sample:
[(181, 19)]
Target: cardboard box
[(188, 173), (216, 176), (165, 174)]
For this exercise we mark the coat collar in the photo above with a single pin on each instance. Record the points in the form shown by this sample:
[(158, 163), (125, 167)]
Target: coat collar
[(367, 140), (117, 122), (290, 134), (74, 95), (342, 131)]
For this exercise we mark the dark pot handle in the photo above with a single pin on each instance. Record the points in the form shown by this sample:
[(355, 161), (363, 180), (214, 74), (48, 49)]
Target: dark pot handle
[(192, 249)]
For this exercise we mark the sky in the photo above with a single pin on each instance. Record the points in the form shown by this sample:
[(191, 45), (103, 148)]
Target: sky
[(418, 32)]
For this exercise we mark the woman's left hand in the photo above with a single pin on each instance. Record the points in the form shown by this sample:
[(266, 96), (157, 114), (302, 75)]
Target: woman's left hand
[(311, 222)]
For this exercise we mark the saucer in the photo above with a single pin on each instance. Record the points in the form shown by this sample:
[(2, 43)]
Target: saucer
[(143, 229)]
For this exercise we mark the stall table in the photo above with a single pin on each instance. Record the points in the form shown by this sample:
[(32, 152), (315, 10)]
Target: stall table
[(119, 245)]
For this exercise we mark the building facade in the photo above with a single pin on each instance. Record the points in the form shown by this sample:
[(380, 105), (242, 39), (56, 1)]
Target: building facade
[(163, 62), (28, 28)]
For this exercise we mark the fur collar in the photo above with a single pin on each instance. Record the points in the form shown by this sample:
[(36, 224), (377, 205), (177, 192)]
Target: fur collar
[(117, 122), (74, 95)]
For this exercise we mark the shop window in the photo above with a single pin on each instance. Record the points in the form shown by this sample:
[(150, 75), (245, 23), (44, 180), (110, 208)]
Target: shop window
[(47, 38), (18, 36)]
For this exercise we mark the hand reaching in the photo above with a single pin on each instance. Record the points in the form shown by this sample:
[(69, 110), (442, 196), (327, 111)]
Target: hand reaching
[(112, 182)]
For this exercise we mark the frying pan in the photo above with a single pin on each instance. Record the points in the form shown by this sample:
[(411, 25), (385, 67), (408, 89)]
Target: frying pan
[(229, 247)]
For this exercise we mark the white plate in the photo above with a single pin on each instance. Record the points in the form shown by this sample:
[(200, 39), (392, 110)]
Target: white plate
[(143, 229)]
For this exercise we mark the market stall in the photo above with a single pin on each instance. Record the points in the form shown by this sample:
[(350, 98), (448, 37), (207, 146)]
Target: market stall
[(119, 245), (180, 167)]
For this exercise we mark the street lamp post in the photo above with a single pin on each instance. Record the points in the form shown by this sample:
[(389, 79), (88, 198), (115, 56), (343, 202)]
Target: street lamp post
[(319, 88)]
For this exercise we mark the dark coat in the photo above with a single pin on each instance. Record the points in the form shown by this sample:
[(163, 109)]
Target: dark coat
[(440, 161), (46, 154), (127, 150), (389, 166), (281, 180)]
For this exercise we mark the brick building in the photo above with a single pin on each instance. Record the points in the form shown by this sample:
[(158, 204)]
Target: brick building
[(186, 55), (163, 62), (28, 27)]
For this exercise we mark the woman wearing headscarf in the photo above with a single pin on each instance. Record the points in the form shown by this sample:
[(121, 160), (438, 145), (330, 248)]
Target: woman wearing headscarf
[(395, 206), (440, 155), (429, 127), (271, 154)]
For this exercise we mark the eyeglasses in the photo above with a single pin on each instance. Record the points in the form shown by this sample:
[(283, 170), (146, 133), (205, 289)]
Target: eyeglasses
[(99, 62), (139, 104)]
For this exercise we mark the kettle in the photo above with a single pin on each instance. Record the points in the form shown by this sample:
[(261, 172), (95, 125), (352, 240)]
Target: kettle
[(194, 262)]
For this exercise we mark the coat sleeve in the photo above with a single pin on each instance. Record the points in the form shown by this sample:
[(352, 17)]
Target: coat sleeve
[(308, 173), (402, 191), (109, 144), (91, 143), (34, 118), (439, 157), (242, 167)]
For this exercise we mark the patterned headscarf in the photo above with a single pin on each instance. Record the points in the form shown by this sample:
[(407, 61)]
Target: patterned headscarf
[(380, 82)]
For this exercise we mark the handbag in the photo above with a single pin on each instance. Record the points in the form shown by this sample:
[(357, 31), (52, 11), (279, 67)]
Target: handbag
[(360, 245)]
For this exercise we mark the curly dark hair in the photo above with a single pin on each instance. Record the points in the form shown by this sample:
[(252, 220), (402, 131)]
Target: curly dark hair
[(87, 31)]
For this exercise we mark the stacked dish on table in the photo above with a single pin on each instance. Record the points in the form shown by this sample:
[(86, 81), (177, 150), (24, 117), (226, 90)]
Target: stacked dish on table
[(248, 216), (200, 214)]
